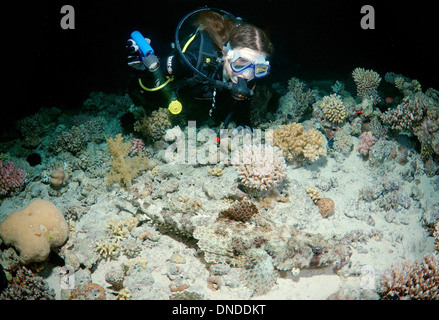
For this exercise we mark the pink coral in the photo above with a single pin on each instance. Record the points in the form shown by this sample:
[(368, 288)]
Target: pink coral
[(367, 140), (136, 146), (11, 177)]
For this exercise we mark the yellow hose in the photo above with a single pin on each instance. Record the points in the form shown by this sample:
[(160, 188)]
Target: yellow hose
[(156, 88), (170, 78)]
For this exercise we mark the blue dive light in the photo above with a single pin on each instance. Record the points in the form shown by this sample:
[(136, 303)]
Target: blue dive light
[(146, 51)]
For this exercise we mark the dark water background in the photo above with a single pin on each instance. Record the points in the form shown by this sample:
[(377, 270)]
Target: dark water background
[(314, 40)]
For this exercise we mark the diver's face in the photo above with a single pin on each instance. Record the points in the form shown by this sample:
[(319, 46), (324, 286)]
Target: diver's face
[(248, 74)]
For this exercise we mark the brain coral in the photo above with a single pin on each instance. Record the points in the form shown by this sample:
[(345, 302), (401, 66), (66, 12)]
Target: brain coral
[(259, 167), (297, 144), (333, 109), (35, 230)]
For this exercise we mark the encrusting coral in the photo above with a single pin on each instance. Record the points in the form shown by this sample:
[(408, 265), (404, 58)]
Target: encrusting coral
[(123, 167), (259, 167), (297, 144)]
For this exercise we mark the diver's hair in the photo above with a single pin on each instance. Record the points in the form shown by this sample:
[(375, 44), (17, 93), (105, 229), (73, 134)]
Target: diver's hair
[(223, 30)]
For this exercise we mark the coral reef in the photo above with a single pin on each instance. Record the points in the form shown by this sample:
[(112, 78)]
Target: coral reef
[(297, 101), (419, 280), (25, 285), (417, 114), (407, 114), (367, 82), (76, 139), (259, 167), (333, 108), (11, 178), (234, 230), (297, 144), (34, 230), (123, 167), (367, 140)]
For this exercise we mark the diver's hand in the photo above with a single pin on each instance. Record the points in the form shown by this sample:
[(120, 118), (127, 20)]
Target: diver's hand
[(134, 58)]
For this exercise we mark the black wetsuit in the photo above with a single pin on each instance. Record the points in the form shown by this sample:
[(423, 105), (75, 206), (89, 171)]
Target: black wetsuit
[(195, 93)]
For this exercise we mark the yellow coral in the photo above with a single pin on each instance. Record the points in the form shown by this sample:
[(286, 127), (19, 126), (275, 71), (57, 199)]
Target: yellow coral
[(122, 228), (314, 193), (124, 294), (154, 126), (123, 167), (333, 109), (215, 172), (108, 249), (297, 144)]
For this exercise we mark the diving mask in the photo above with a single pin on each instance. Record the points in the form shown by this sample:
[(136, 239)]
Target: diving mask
[(242, 62)]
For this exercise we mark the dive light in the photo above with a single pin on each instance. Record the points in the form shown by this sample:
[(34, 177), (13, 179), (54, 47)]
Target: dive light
[(146, 51)]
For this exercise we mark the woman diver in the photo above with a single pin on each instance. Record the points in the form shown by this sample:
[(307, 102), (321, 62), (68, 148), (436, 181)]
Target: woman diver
[(219, 63)]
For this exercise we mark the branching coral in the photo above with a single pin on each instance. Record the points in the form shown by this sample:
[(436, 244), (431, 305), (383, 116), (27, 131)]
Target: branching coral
[(297, 100), (413, 281), (314, 193), (123, 167), (154, 126), (297, 144), (407, 114), (26, 285), (75, 139), (333, 109), (418, 114), (259, 167), (11, 177), (367, 82)]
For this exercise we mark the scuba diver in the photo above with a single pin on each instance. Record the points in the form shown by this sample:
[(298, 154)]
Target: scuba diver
[(217, 66)]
